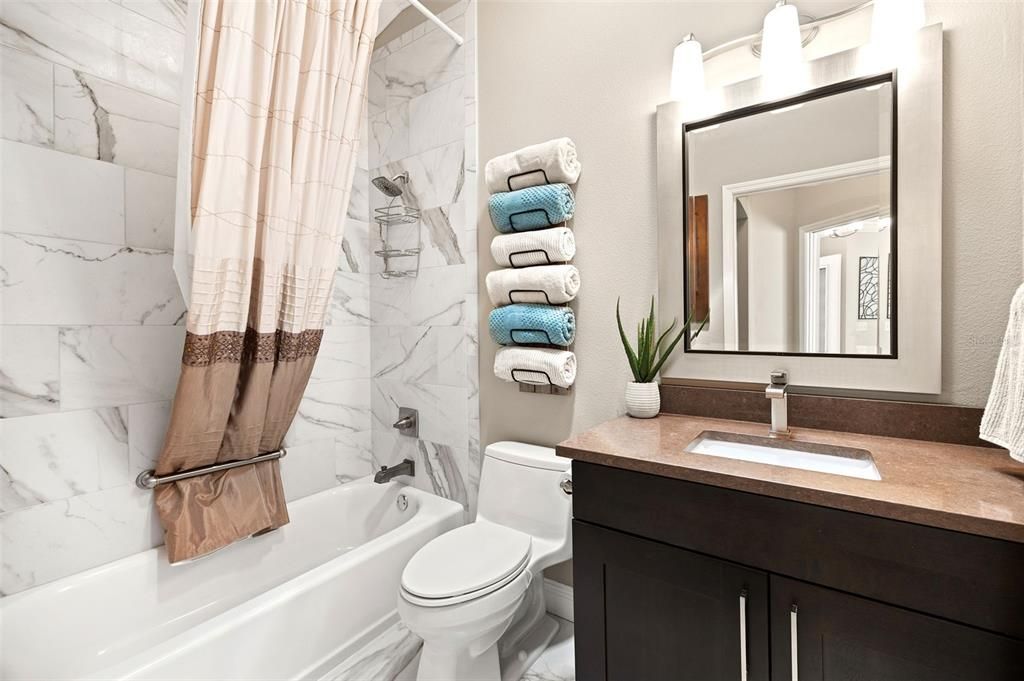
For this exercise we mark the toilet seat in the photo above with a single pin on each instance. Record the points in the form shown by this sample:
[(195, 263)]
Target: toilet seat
[(465, 563)]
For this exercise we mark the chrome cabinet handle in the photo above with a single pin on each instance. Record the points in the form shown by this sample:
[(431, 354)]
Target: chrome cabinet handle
[(794, 674), (743, 635)]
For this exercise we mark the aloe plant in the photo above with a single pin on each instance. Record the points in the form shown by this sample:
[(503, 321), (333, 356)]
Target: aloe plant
[(650, 354)]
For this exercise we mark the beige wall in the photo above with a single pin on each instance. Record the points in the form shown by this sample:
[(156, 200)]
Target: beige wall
[(595, 71)]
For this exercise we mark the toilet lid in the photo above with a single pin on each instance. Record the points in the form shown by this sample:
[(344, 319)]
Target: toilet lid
[(470, 558)]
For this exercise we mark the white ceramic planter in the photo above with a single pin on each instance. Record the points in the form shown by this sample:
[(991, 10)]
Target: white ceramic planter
[(643, 401)]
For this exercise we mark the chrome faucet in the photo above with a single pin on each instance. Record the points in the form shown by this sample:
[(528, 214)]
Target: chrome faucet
[(776, 391), (386, 473)]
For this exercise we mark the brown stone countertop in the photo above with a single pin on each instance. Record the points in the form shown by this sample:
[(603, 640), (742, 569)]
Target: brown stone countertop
[(976, 490)]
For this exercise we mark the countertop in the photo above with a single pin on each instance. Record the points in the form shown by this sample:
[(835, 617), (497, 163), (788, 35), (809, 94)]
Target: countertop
[(976, 490)]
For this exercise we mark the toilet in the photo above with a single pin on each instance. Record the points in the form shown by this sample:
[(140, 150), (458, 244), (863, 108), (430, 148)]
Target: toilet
[(475, 594)]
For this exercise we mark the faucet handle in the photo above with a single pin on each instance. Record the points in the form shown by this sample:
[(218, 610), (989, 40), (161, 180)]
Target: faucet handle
[(779, 377)]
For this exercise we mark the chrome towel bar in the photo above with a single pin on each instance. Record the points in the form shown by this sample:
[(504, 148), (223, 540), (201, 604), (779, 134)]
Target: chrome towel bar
[(149, 479)]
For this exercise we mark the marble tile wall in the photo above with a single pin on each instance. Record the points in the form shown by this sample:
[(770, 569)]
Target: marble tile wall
[(423, 336), (91, 321)]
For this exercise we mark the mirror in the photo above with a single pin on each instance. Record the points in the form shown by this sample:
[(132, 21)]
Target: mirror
[(790, 224)]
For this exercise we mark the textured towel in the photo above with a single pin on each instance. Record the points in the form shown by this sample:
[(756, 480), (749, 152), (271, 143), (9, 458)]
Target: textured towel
[(1003, 422), (538, 366), (543, 247), (547, 285), (556, 158), (531, 208), (532, 325)]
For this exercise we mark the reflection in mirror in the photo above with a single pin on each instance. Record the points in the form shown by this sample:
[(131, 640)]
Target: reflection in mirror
[(790, 226)]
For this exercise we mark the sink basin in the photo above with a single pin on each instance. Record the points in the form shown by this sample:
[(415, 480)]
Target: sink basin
[(808, 456)]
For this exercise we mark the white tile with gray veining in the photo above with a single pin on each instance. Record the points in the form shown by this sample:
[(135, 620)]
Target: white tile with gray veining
[(350, 301), (434, 298), (442, 470), (359, 203), (98, 119), (443, 410), (389, 136), (353, 455), (436, 118), (104, 366), (47, 541), (329, 409), (344, 354), (308, 468), (147, 426), (26, 98), (99, 37), (436, 177), (423, 65), (558, 661), (356, 247), (59, 281), (149, 210), (55, 456), (169, 13), (91, 205), (29, 370)]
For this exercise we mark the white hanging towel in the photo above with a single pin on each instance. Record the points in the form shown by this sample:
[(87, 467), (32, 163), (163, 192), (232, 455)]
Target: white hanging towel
[(540, 247), (545, 163), (547, 285), (536, 366), (1003, 422)]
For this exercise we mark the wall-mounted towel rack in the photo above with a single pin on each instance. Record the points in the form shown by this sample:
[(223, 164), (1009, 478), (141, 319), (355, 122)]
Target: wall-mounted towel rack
[(149, 479), (508, 180)]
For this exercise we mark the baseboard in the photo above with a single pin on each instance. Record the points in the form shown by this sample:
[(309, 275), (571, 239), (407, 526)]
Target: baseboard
[(559, 599)]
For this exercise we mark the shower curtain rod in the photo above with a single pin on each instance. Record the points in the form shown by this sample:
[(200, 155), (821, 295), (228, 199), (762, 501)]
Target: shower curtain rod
[(433, 17)]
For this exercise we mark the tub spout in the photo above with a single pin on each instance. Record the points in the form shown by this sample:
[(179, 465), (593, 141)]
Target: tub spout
[(386, 474)]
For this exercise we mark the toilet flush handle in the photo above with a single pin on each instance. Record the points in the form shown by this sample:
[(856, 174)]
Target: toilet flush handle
[(566, 484)]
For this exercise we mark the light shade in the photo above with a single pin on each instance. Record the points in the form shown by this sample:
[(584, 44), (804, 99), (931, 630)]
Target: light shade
[(893, 20), (781, 51), (688, 72)]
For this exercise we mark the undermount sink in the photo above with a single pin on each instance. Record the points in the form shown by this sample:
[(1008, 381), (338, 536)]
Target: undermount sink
[(808, 456)]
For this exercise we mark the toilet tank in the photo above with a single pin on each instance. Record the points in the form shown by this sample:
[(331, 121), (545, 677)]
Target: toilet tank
[(520, 488)]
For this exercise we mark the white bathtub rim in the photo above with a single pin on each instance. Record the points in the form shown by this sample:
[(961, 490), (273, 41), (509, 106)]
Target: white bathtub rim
[(433, 509)]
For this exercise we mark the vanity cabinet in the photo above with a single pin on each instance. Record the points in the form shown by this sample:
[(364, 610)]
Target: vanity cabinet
[(680, 580)]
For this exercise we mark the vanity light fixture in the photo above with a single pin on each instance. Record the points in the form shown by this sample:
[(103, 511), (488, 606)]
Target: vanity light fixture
[(688, 72), (781, 50)]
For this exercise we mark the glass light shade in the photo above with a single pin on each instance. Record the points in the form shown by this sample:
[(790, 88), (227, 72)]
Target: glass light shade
[(893, 20), (781, 51), (688, 72)]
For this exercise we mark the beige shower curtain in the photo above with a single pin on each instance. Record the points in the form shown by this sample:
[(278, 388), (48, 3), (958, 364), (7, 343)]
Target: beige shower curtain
[(280, 88)]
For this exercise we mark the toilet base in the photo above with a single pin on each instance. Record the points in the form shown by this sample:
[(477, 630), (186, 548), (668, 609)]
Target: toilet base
[(450, 665), (531, 647)]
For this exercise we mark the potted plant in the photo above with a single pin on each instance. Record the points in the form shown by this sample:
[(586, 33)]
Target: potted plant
[(643, 401)]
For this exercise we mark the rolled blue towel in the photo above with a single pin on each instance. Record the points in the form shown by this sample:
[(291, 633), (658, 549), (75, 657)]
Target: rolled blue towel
[(532, 208), (525, 324)]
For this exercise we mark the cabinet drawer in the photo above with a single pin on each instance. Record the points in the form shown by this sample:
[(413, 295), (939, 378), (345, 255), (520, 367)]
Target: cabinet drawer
[(965, 578)]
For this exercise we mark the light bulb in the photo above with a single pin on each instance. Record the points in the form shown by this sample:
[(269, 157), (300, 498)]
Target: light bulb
[(781, 51), (688, 74)]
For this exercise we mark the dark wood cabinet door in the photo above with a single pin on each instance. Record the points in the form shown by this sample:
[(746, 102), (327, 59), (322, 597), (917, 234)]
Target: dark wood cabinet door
[(646, 611), (840, 637)]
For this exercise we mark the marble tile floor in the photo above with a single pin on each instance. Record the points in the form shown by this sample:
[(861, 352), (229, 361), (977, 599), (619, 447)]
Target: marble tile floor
[(393, 656)]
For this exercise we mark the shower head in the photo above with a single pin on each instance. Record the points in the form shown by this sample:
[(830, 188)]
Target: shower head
[(391, 187)]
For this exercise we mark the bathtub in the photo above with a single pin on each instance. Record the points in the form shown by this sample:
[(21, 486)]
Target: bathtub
[(287, 605)]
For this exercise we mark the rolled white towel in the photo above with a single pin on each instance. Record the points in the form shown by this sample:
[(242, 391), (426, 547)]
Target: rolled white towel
[(537, 366), (540, 247), (548, 284), (518, 169)]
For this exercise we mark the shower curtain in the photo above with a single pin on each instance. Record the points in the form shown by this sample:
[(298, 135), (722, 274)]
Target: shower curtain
[(279, 93)]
